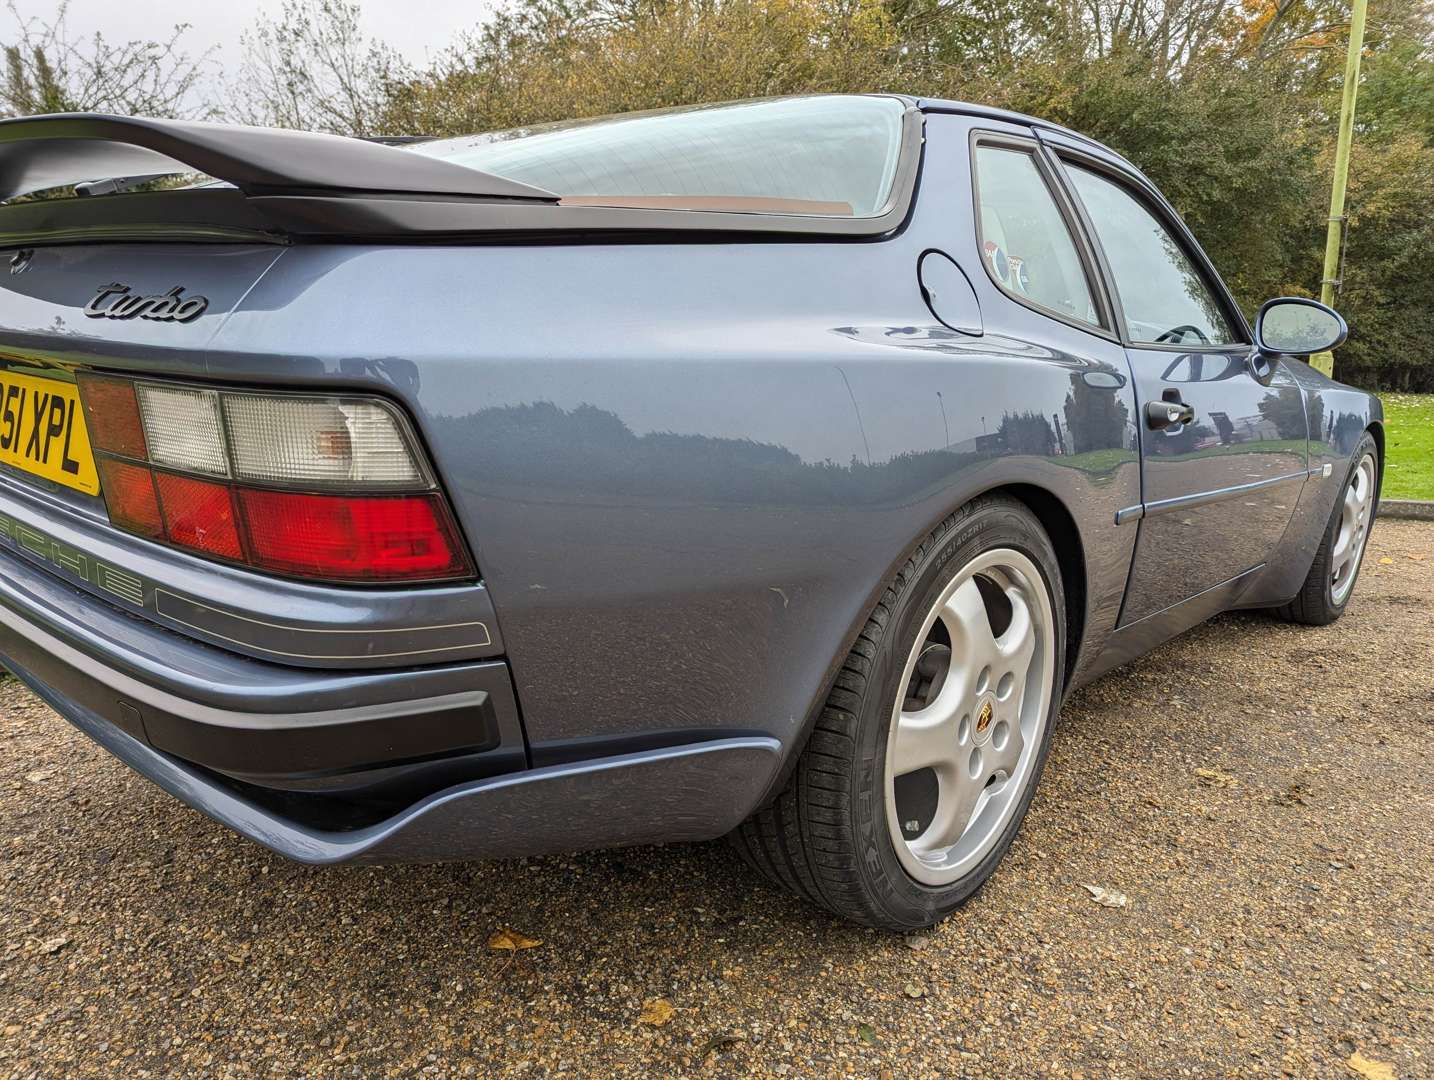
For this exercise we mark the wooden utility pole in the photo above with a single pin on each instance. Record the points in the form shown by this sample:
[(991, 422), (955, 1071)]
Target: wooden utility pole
[(1334, 238)]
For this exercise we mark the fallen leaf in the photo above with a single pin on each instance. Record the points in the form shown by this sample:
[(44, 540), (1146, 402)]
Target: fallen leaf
[(1294, 795), (53, 945), (506, 940), (867, 1034), (718, 1043), (656, 1012), (1416, 558), (39, 776), (1386, 561), (1369, 1069), (1107, 897), (912, 990), (1215, 778)]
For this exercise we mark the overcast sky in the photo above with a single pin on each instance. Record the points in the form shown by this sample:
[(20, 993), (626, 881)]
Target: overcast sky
[(418, 29)]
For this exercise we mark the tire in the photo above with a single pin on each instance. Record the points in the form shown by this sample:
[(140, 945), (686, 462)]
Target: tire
[(842, 833), (1322, 599)]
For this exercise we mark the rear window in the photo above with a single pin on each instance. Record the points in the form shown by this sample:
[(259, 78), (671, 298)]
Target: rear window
[(831, 156)]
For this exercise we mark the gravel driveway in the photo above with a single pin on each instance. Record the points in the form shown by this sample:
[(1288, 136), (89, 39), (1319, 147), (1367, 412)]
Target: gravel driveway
[(1261, 793)]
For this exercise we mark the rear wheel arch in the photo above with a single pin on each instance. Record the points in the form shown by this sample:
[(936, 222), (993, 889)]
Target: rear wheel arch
[(1064, 535), (1060, 527), (823, 833)]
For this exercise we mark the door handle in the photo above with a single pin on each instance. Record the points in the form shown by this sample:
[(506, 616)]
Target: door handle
[(1164, 414)]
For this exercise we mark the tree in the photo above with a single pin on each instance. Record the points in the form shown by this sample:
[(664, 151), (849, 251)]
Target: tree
[(48, 70), (314, 68), (1229, 106), (552, 60), (1388, 277)]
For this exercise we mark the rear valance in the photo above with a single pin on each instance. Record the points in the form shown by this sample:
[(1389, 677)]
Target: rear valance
[(42, 152)]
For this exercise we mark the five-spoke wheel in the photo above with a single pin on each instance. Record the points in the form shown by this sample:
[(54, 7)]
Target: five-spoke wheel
[(1354, 519), (927, 753), (1335, 565), (976, 694)]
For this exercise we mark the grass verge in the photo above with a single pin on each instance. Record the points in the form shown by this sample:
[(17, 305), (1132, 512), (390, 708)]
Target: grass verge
[(1409, 451)]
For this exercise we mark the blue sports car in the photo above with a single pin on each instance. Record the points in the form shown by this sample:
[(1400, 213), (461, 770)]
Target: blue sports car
[(771, 469)]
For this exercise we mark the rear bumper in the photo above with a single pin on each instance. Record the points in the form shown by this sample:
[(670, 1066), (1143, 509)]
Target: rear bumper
[(432, 757), (693, 792), (256, 722)]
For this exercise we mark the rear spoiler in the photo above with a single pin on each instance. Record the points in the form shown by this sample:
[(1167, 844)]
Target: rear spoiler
[(285, 187), (42, 152)]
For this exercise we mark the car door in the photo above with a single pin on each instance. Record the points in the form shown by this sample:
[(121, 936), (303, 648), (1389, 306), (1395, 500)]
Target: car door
[(1223, 452)]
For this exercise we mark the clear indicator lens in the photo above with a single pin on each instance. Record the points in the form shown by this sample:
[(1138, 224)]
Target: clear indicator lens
[(182, 428), (318, 441)]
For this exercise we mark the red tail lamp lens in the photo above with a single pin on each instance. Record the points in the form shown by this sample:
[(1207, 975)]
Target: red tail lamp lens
[(199, 515), (130, 497), (175, 461), (381, 537), (112, 416)]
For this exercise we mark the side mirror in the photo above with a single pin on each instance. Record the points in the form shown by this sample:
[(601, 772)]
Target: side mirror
[(1293, 326)]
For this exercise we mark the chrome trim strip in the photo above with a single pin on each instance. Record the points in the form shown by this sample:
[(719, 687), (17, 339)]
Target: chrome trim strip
[(1202, 498), (136, 690), (1130, 513)]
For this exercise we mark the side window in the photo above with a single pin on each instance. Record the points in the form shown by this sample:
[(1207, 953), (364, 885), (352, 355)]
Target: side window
[(1025, 241), (1165, 298)]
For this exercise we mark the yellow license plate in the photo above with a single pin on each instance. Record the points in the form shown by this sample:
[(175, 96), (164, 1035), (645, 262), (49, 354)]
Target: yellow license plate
[(42, 431)]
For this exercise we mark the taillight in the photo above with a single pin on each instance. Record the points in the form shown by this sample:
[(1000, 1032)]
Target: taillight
[(199, 514), (331, 488), (131, 498), (112, 417), (387, 536)]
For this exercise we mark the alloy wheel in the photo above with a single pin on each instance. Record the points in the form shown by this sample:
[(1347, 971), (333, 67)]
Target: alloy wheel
[(967, 730), (1353, 529)]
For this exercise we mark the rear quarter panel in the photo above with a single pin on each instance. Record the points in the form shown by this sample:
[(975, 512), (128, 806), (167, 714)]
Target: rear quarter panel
[(688, 469)]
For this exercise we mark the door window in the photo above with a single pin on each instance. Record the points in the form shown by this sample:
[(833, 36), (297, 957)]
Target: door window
[(1025, 242), (1165, 298)]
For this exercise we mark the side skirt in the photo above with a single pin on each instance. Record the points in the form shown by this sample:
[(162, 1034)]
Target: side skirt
[(1138, 638)]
